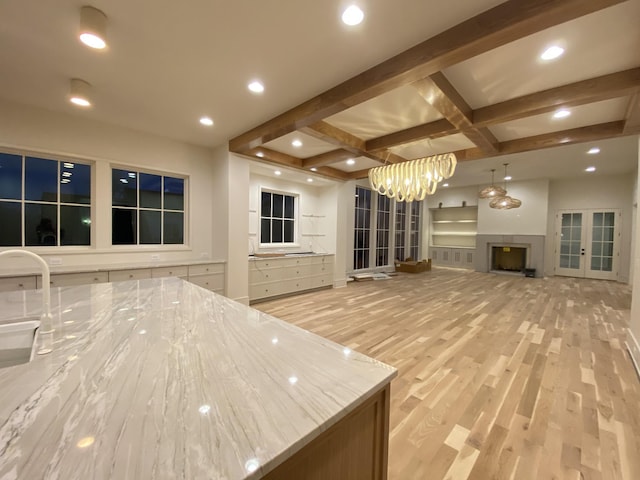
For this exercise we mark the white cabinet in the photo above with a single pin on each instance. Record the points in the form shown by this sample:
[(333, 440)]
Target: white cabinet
[(452, 257), (209, 276), (286, 275), (72, 279), (206, 275), (10, 284)]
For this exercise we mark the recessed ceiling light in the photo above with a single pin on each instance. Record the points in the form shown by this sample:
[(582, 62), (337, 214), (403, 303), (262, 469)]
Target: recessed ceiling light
[(352, 15), (314, 169), (256, 87), (593, 150), (445, 184), (310, 180), (552, 52), (562, 113), (278, 172), (206, 121), (508, 177), (351, 161), (260, 154), (590, 169), (296, 143), (93, 26)]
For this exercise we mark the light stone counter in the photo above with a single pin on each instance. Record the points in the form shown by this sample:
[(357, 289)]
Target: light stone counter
[(162, 379)]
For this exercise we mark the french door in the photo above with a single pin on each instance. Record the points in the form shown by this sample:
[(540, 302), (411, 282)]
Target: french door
[(587, 243)]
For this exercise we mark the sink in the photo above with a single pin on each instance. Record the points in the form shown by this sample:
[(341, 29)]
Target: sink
[(16, 342)]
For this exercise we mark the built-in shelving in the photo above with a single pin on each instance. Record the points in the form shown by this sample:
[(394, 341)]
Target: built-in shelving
[(453, 236)]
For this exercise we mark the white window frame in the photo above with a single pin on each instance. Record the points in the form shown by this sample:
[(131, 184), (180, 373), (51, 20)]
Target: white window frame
[(296, 217)]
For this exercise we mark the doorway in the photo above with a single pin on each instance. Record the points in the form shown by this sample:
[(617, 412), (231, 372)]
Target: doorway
[(587, 243)]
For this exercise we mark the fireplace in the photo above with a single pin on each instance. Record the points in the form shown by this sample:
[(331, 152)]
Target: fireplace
[(507, 258), (533, 244)]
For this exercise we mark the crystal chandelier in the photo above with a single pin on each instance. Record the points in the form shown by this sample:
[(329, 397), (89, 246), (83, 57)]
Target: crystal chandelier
[(412, 180), (492, 191), (505, 202)]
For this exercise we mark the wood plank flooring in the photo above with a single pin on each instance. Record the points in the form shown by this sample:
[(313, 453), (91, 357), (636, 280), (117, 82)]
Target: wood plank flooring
[(500, 377)]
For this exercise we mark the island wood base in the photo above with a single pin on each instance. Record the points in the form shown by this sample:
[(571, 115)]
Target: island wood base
[(356, 448)]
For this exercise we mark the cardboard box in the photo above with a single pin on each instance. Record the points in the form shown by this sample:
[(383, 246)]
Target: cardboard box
[(413, 267)]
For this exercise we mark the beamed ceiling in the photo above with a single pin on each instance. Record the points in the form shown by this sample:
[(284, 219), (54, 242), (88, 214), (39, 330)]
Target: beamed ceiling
[(478, 89)]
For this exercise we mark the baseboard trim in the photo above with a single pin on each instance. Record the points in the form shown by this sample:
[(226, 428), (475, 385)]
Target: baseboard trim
[(634, 351), (242, 300), (342, 282)]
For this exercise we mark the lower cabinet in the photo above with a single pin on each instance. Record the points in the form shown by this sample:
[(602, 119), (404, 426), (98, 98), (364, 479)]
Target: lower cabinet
[(270, 277), (453, 257), (205, 275)]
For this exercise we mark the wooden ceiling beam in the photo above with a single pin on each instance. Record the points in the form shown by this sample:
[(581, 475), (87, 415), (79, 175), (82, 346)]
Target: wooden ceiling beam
[(441, 95), (327, 158), (505, 23), (548, 140), (333, 173), (614, 85), (632, 118), (436, 129), (334, 135), (349, 142), (268, 155)]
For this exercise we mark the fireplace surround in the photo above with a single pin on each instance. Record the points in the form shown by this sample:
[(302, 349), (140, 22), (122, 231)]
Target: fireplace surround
[(534, 245)]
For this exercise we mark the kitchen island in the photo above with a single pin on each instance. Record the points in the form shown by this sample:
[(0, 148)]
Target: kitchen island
[(160, 378)]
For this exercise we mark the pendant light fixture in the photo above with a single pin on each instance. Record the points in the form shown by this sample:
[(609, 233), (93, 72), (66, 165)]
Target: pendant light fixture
[(492, 191), (93, 28), (505, 202), (80, 93)]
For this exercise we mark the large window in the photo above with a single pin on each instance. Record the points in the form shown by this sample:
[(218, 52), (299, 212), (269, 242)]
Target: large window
[(401, 220), (277, 218), (362, 230), (147, 209), (383, 228), (414, 231), (44, 202)]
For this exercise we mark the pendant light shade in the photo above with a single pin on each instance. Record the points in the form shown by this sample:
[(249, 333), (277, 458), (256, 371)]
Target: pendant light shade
[(492, 191), (504, 202)]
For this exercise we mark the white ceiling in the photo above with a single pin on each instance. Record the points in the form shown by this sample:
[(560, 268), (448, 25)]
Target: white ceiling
[(168, 63)]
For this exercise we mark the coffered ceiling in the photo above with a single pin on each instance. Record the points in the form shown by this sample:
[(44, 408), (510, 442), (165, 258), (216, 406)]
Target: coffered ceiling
[(479, 89), (417, 77)]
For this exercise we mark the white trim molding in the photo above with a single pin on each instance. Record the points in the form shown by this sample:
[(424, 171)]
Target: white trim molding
[(634, 350)]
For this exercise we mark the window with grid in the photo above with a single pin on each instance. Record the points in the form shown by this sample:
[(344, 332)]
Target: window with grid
[(147, 208), (414, 231), (44, 202), (383, 230), (277, 218), (362, 231), (401, 219)]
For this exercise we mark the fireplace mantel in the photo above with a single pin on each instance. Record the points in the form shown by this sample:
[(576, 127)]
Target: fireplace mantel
[(534, 243)]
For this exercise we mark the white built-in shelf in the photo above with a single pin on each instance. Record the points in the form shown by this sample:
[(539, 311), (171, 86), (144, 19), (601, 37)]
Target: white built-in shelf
[(310, 215), (252, 211), (456, 234), (454, 221), (313, 234)]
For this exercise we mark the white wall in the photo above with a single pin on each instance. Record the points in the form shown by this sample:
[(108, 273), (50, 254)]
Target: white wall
[(65, 136), (589, 192), (528, 219), (633, 341)]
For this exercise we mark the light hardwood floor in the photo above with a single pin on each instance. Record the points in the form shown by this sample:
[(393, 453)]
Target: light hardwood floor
[(500, 377)]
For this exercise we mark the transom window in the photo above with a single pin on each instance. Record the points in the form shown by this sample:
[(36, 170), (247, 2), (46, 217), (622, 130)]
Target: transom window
[(147, 208), (277, 218), (44, 202)]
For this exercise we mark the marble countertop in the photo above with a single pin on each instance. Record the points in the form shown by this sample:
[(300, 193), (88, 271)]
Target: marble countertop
[(289, 255), (160, 378), (29, 269)]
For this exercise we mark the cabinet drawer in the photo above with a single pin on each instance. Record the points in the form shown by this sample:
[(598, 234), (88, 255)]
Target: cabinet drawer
[(10, 284), (265, 290), (213, 282), (321, 281), (321, 269), (265, 275), (206, 268), (122, 275), (296, 271), (323, 259), (72, 279), (169, 272)]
